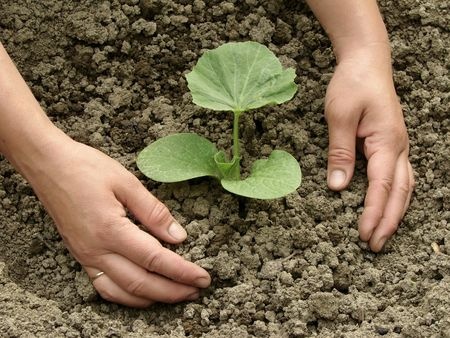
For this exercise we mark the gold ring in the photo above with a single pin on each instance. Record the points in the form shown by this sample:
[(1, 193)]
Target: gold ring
[(97, 275)]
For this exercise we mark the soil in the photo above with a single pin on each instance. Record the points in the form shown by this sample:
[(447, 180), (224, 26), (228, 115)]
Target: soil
[(111, 74)]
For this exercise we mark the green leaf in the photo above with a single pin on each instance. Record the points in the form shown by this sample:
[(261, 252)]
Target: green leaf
[(274, 177), (240, 76), (178, 157)]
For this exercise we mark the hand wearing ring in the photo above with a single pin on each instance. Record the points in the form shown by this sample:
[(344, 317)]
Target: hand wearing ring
[(90, 210)]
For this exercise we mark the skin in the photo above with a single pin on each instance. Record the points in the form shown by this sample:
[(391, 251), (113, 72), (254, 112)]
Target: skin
[(361, 107), (87, 193)]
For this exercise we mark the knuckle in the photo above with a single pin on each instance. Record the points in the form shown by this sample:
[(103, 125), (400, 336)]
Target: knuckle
[(108, 229), (158, 213), (136, 286), (404, 189), (385, 184), (85, 253), (154, 260), (339, 155)]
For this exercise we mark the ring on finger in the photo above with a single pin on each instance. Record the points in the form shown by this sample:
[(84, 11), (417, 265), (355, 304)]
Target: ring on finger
[(97, 275)]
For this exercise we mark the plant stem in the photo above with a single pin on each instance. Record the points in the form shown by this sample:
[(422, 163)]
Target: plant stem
[(235, 172), (236, 149)]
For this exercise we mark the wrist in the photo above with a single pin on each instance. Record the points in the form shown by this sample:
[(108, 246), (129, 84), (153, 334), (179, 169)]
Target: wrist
[(370, 50), (36, 146), (352, 25), (373, 57)]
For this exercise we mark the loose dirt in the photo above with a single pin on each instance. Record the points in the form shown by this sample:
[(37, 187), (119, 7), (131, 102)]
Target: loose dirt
[(111, 74)]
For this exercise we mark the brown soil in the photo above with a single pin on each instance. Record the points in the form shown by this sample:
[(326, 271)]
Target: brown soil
[(111, 74)]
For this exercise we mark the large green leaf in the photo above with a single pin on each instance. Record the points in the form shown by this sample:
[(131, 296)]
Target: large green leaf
[(274, 177), (239, 76), (178, 157)]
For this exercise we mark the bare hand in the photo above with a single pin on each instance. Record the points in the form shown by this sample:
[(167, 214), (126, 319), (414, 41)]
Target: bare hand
[(87, 193), (361, 103)]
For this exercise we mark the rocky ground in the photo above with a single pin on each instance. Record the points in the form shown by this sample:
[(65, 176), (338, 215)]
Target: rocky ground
[(111, 74)]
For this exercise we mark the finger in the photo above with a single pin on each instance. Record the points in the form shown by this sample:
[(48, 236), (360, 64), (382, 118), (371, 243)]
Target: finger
[(380, 172), (394, 210), (342, 126), (144, 284), (147, 252), (111, 292), (412, 186), (151, 212)]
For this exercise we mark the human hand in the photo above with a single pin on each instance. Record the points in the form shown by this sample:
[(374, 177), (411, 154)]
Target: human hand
[(87, 194), (361, 104)]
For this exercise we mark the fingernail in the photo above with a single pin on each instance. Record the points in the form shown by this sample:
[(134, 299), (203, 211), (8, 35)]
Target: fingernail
[(177, 231), (337, 179)]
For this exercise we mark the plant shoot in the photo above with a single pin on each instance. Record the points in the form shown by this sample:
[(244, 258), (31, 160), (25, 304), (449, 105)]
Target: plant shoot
[(235, 77)]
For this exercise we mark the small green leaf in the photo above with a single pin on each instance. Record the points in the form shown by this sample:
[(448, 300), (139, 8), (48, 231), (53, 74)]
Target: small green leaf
[(178, 157), (240, 76), (227, 169), (274, 177)]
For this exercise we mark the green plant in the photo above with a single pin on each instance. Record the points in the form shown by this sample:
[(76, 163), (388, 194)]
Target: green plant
[(235, 77)]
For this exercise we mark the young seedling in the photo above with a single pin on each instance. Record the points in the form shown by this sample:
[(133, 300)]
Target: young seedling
[(236, 77)]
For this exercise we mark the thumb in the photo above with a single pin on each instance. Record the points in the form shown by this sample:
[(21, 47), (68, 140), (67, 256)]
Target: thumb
[(342, 127), (150, 211)]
